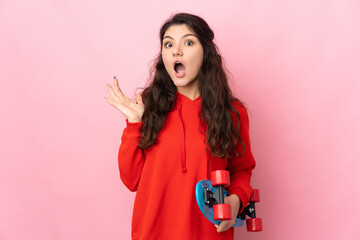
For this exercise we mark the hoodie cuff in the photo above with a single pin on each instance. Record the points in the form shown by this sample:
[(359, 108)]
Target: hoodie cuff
[(132, 129)]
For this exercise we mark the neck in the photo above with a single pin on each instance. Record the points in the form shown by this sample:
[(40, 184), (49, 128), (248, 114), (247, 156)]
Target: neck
[(189, 94), (190, 91)]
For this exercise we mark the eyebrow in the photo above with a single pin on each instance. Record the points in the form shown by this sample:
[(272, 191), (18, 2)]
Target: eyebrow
[(186, 35)]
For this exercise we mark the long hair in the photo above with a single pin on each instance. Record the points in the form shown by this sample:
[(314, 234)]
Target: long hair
[(216, 120)]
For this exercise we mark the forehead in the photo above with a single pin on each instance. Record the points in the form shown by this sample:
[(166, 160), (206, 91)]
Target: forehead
[(178, 30)]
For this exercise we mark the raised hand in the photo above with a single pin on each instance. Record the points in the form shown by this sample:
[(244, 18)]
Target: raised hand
[(133, 111)]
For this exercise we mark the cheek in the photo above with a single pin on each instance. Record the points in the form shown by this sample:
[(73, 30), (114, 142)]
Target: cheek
[(198, 59), (166, 61)]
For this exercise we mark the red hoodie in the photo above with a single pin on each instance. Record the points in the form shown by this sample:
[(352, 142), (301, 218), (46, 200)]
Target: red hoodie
[(165, 176)]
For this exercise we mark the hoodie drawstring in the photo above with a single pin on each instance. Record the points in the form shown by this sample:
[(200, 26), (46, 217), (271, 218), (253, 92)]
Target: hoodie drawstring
[(182, 137)]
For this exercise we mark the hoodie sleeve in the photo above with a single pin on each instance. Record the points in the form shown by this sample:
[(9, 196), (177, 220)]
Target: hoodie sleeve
[(130, 157), (240, 168)]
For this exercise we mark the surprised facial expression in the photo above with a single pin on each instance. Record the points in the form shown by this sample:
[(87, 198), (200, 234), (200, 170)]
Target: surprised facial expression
[(182, 54)]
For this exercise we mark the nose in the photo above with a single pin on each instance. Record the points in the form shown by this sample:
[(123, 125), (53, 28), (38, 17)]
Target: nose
[(177, 51)]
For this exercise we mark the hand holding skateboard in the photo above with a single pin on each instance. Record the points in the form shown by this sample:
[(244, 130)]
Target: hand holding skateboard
[(210, 198)]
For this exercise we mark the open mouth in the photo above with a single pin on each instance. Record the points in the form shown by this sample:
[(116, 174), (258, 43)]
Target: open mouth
[(179, 68)]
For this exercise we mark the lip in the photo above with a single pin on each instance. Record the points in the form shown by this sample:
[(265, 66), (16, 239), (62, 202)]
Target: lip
[(179, 75)]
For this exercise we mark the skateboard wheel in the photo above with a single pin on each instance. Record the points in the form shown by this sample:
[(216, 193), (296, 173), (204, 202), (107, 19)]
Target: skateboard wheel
[(222, 212), (255, 196), (220, 177), (254, 224)]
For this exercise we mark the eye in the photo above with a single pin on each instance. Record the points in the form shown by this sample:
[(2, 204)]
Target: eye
[(189, 43), (167, 45)]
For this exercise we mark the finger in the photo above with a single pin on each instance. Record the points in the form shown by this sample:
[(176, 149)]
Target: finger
[(224, 225), (139, 98), (117, 88), (112, 93), (110, 101), (217, 228), (220, 227)]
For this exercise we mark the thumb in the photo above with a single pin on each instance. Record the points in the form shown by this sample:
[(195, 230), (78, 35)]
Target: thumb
[(221, 227), (139, 98)]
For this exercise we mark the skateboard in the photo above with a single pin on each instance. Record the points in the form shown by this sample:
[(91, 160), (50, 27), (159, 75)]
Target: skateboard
[(210, 198)]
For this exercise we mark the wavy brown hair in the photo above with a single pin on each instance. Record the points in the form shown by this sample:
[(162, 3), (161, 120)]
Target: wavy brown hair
[(217, 110)]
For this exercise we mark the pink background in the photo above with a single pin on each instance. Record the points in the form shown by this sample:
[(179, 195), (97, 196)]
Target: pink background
[(294, 63)]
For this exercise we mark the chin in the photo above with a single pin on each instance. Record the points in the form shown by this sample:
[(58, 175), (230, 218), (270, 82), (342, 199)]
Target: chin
[(182, 82)]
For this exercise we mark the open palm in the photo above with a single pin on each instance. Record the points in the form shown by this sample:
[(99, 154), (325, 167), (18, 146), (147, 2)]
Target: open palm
[(133, 111)]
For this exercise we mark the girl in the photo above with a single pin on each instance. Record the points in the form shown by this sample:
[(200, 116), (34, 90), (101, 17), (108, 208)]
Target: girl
[(183, 126)]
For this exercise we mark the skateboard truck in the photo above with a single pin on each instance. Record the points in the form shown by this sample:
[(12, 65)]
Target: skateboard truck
[(253, 224), (221, 211)]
